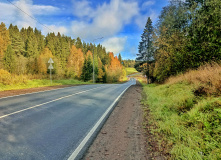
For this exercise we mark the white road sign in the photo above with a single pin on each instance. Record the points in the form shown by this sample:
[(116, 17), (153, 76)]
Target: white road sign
[(50, 61), (50, 66)]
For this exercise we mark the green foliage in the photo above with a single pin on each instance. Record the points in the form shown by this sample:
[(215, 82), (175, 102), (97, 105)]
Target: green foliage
[(204, 35), (87, 70), (9, 59), (187, 35), (146, 48), (4, 42), (128, 63), (189, 125), (120, 58)]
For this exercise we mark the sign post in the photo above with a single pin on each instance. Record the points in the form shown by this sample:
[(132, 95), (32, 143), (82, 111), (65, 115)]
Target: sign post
[(50, 67)]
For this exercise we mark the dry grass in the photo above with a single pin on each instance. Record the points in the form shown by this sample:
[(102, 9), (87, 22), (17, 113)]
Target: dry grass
[(9, 79), (206, 78)]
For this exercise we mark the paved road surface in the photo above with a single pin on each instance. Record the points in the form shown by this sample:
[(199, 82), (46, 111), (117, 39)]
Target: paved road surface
[(52, 124)]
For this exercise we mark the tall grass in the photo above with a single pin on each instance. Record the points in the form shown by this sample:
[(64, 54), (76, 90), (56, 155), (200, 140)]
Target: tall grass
[(207, 77), (187, 113)]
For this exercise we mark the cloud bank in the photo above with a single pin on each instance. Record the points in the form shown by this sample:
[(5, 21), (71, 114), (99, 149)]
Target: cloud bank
[(105, 20), (21, 15)]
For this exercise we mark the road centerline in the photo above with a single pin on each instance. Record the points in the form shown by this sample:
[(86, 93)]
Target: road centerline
[(16, 112)]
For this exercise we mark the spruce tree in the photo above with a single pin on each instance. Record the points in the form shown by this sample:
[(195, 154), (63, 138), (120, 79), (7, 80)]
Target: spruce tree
[(145, 47), (146, 44), (9, 59), (87, 70), (17, 44), (120, 58)]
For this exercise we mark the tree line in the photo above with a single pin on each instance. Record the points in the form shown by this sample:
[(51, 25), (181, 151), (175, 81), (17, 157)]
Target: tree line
[(27, 51), (186, 36)]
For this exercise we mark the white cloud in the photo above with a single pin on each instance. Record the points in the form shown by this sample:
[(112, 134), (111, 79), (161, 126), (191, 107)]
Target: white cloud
[(82, 8), (148, 4), (44, 10), (56, 29), (10, 14), (106, 20), (115, 44), (23, 17)]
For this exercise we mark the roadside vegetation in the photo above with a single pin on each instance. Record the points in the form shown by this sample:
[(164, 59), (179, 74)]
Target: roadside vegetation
[(181, 57), (24, 55), (186, 113), (12, 81)]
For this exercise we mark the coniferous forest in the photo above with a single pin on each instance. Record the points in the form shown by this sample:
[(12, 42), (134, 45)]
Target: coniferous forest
[(27, 51)]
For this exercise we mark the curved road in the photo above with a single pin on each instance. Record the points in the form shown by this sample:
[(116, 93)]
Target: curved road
[(57, 124)]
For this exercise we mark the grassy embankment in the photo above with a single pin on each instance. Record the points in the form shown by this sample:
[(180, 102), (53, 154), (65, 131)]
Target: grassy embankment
[(12, 82), (186, 112)]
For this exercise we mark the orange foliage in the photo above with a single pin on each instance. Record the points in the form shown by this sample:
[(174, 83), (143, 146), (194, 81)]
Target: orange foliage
[(45, 55), (115, 63), (100, 73), (75, 62), (89, 54), (115, 70)]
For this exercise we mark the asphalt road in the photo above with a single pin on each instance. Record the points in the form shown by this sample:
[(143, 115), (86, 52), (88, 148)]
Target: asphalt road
[(53, 124)]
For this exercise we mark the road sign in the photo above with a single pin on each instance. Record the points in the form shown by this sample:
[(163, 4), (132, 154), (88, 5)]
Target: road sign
[(50, 61), (50, 66)]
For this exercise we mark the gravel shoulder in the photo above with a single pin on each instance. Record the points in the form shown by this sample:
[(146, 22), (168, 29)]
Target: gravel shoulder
[(122, 136)]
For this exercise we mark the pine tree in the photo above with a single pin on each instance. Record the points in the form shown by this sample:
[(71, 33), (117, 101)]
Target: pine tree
[(4, 42), (9, 59)]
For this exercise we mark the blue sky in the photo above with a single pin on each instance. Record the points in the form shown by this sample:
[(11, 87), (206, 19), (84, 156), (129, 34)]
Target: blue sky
[(119, 22)]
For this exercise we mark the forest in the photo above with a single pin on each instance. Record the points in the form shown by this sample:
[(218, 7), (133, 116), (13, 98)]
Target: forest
[(27, 51), (186, 36)]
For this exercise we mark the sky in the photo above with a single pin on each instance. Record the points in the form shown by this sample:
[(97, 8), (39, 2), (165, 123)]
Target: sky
[(116, 24)]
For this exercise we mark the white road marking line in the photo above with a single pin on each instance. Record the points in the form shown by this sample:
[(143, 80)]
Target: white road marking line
[(91, 132), (47, 103)]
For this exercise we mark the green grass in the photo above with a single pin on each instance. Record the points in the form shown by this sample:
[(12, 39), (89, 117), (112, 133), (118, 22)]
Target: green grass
[(190, 125), (130, 71), (40, 83)]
